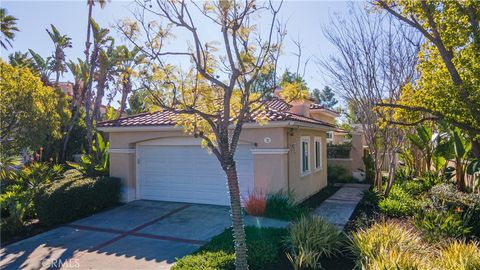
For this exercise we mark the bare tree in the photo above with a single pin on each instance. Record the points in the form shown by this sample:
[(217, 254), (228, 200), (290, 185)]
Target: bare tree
[(212, 99), (375, 59)]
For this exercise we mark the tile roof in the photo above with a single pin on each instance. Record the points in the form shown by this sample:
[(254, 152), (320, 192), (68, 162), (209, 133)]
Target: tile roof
[(275, 110)]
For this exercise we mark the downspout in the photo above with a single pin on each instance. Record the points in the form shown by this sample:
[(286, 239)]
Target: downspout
[(290, 125), (288, 159)]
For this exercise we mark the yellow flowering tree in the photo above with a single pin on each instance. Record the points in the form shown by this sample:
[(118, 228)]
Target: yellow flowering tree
[(30, 112), (448, 87), (215, 96)]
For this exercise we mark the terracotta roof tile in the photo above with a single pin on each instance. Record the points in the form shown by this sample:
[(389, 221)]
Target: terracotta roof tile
[(275, 110)]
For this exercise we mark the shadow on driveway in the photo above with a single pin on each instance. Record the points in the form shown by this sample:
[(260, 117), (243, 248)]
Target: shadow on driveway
[(138, 235)]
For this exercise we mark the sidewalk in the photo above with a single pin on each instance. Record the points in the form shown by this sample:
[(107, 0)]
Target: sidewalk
[(339, 207)]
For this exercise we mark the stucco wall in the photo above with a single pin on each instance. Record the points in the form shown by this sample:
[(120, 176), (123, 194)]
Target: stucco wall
[(270, 170), (307, 185), (322, 117), (273, 170)]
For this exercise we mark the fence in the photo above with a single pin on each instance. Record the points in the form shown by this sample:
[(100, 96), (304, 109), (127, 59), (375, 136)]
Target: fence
[(338, 150)]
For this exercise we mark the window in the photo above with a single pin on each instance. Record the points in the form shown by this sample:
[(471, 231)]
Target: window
[(318, 153), (305, 155), (329, 136)]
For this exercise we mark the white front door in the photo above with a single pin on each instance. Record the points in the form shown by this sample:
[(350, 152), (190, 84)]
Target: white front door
[(188, 173)]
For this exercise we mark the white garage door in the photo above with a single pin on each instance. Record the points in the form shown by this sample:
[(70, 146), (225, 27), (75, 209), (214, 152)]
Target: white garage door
[(188, 173)]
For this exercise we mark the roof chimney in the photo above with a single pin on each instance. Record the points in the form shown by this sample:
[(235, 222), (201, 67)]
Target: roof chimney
[(301, 107)]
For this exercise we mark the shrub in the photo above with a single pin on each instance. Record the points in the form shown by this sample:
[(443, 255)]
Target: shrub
[(388, 245), (431, 179), (16, 207), (436, 225), (459, 255), (37, 173), (339, 174), (255, 204), (446, 197), (310, 239), (264, 250), (369, 167), (282, 206), (75, 196), (207, 260), (399, 203), (371, 197), (96, 163), (414, 187)]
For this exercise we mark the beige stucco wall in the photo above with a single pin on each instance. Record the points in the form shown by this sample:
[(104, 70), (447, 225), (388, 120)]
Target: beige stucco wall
[(339, 138), (307, 185), (273, 171), (270, 170), (322, 117)]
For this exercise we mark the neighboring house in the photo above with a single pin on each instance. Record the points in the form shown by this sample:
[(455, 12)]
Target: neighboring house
[(67, 89), (158, 161), (356, 148)]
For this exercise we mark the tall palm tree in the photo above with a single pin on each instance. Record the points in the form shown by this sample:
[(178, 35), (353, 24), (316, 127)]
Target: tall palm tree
[(8, 28), (91, 61), (127, 62), (105, 74), (101, 39), (61, 42)]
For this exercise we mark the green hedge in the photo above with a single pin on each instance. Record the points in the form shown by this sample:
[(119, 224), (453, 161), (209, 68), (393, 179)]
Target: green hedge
[(265, 251), (75, 196)]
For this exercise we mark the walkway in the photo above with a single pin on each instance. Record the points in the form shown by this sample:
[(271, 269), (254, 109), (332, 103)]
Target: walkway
[(339, 207)]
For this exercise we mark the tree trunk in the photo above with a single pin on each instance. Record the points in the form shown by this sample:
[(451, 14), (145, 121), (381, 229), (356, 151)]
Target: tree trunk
[(378, 172), (88, 93), (69, 132), (392, 166), (237, 218), (98, 100), (123, 102), (57, 79), (460, 175)]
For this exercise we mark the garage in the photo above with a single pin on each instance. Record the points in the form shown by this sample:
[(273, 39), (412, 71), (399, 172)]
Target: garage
[(180, 170)]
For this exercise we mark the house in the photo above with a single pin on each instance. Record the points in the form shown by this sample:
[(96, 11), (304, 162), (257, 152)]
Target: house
[(158, 161)]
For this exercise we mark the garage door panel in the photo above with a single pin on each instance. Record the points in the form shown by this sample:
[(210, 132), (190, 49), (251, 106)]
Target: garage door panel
[(189, 174)]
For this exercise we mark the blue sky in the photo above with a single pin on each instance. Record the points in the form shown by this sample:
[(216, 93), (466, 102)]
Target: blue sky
[(304, 20)]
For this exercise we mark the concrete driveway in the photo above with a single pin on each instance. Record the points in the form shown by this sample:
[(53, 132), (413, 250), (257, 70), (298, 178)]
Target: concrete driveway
[(138, 235)]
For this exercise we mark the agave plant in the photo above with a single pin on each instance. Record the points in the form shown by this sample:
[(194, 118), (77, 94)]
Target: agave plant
[(9, 167)]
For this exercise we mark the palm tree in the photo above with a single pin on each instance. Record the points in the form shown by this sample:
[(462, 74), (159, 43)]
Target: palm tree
[(105, 73), (61, 42), (92, 60), (42, 67), (8, 28), (80, 73), (128, 60), (19, 59), (100, 40)]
